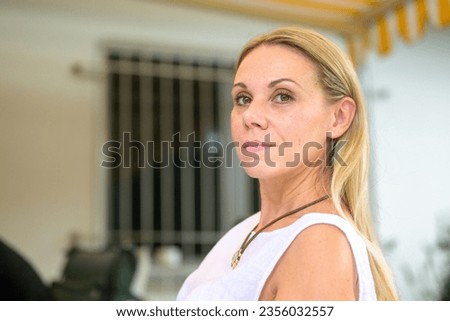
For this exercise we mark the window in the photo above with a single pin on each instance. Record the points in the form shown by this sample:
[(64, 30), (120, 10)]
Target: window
[(175, 179)]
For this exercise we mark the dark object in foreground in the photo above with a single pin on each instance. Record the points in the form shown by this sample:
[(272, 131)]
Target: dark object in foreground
[(96, 275), (19, 281)]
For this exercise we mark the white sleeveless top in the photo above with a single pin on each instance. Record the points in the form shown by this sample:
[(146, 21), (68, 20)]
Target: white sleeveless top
[(215, 280)]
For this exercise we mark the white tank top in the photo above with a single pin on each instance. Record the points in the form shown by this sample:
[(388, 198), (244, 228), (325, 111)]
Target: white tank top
[(215, 280)]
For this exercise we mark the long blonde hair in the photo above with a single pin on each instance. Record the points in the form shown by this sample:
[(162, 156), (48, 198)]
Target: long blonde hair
[(349, 180)]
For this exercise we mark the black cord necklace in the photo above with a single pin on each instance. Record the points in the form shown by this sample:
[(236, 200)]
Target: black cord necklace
[(237, 256)]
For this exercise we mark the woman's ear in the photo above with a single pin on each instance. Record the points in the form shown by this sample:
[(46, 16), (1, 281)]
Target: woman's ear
[(343, 113)]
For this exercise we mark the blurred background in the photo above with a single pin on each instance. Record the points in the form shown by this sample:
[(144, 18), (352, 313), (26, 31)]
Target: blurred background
[(93, 175)]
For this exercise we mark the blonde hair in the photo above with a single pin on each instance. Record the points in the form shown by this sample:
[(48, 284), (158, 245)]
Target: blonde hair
[(349, 181)]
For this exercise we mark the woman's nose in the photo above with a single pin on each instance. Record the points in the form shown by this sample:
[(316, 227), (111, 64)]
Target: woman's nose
[(255, 117)]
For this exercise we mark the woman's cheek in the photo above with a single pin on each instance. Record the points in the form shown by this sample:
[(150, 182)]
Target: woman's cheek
[(235, 126)]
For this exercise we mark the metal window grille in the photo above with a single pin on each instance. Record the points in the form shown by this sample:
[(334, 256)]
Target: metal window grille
[(168, 112)]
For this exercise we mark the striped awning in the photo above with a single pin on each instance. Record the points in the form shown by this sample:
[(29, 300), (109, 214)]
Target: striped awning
[(365, 24)]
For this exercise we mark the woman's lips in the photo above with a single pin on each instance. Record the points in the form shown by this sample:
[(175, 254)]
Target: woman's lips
[(256, 146)]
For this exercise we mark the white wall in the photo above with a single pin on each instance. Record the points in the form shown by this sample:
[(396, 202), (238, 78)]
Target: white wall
[(52, 123), (411, 142)]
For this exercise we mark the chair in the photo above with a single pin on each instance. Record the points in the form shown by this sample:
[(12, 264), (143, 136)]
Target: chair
[(96, 275)]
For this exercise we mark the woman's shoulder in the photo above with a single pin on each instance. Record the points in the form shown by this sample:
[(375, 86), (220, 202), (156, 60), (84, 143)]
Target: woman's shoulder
[(318, 264), (324, 218)]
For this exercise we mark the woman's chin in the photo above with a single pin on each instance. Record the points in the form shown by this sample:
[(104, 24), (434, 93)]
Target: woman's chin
[(262, 172)]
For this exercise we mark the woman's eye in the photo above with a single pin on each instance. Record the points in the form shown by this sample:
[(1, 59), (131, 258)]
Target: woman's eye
[(283, 98), (242, 100)]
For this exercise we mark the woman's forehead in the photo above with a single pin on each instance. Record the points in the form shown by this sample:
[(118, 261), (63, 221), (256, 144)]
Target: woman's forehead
[(269, 62)]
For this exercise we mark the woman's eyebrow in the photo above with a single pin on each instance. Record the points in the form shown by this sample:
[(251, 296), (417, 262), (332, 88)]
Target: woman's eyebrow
[(277, 81), (240, 84), (271, 84)]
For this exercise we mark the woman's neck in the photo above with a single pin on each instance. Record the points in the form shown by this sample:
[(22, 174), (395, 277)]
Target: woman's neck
[(280, 195)]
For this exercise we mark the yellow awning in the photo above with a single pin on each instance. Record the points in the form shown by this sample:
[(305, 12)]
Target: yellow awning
[(365, 24)]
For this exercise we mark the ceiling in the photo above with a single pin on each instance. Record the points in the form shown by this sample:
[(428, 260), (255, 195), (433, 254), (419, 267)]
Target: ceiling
[(365, 24)]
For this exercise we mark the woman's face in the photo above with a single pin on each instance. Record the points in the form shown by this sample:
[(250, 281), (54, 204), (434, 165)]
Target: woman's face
[(280, 117)]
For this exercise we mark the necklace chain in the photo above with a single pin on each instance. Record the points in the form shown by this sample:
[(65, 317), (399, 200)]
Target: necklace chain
[(252, 235)]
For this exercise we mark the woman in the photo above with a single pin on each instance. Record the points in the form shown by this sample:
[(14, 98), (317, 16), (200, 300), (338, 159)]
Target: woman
[(300, 126)]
